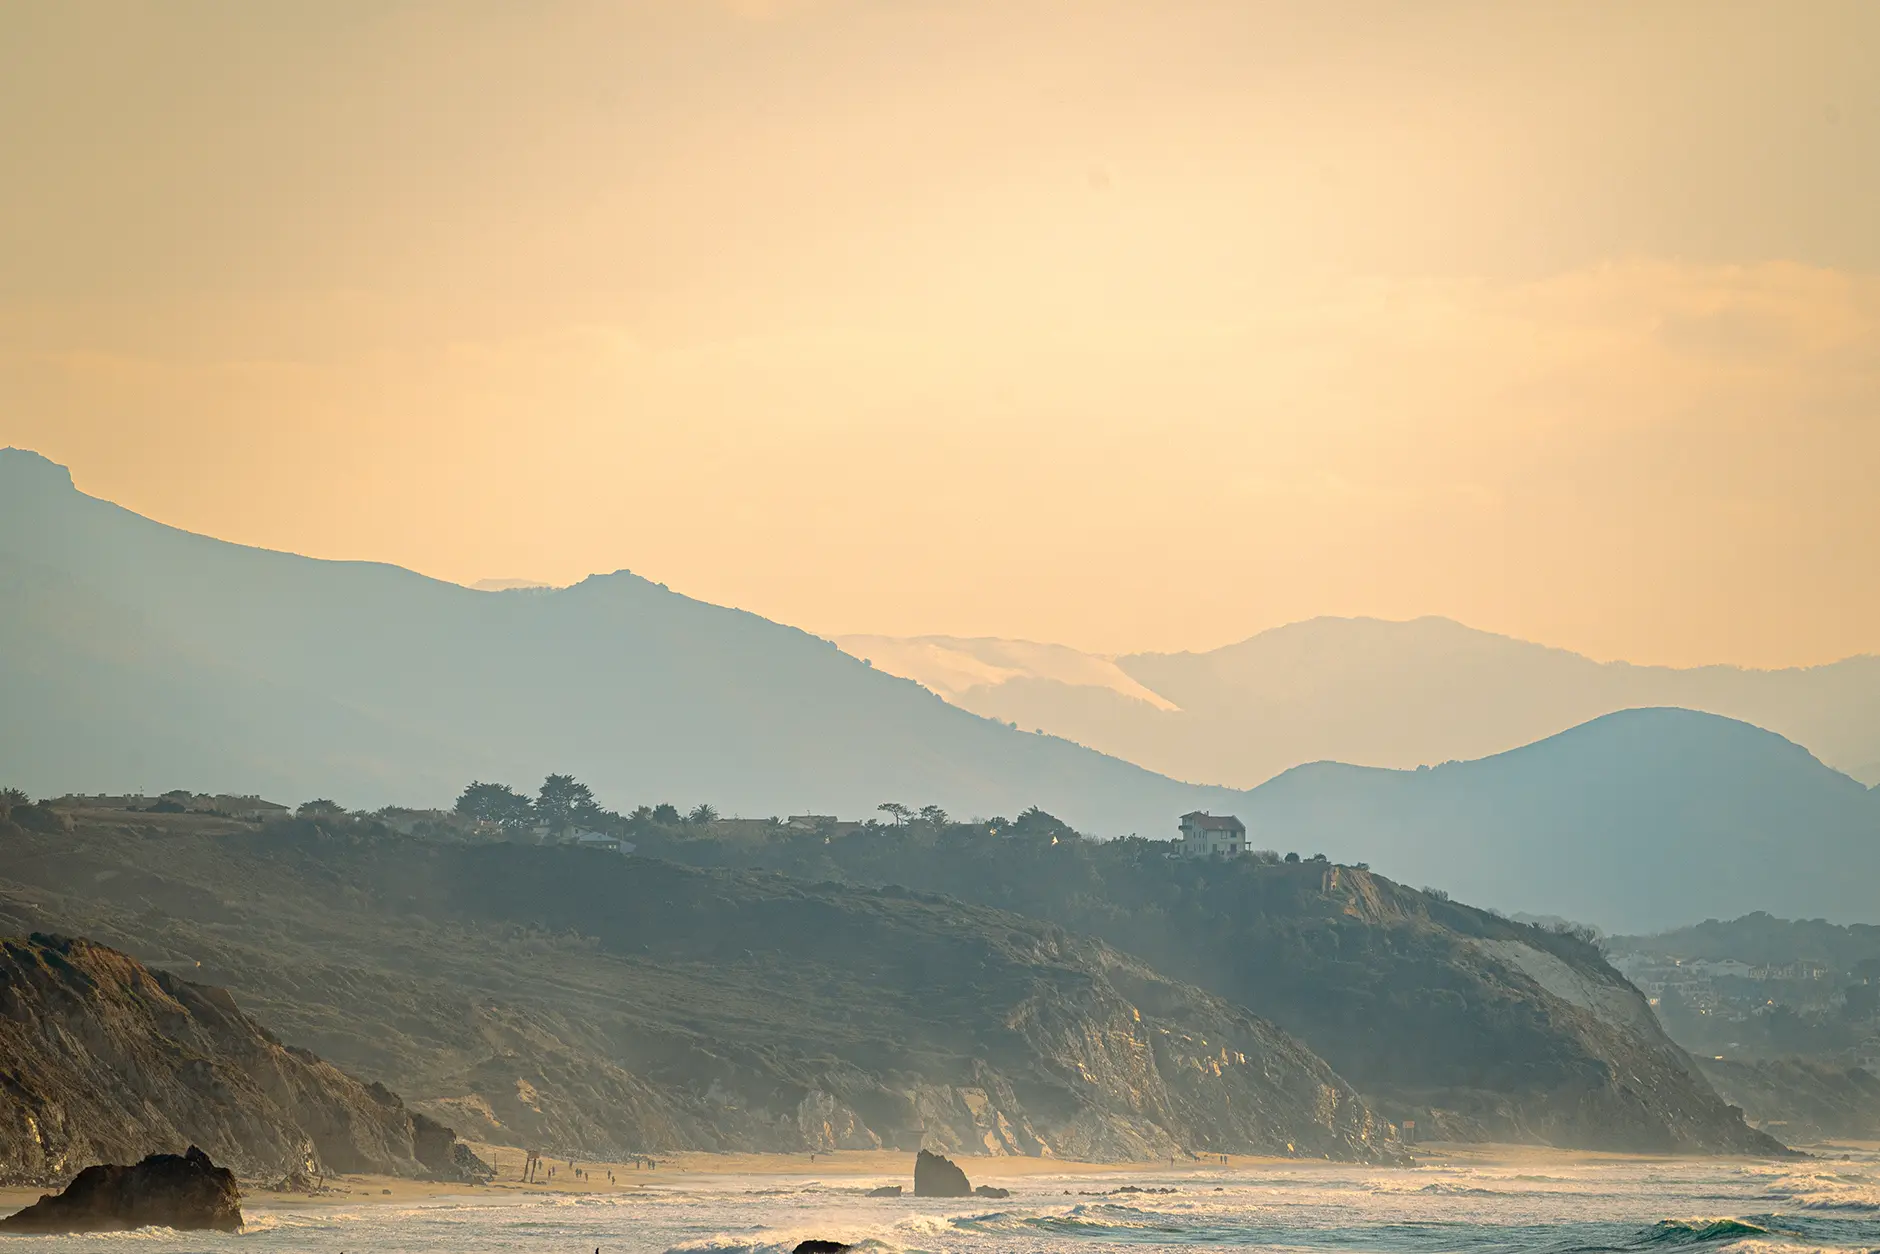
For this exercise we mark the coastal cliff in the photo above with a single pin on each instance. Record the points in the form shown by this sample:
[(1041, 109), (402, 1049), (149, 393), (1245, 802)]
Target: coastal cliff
[(1472, 1025), (105, 1060), (599, 1005)]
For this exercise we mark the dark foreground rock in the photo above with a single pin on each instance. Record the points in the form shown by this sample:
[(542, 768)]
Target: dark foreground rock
[(184, 1192), (935, 1175), (815, 1246)]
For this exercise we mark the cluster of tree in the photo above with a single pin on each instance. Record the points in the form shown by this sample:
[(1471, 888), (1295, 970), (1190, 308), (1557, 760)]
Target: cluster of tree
[(563, 803), (19, 810), (932, 816)]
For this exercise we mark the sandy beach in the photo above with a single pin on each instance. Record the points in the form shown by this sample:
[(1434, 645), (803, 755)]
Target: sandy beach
[(882, 1166)]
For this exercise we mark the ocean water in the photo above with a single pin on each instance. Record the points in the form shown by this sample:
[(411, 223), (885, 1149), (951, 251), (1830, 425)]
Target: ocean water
[(1552, 1205)]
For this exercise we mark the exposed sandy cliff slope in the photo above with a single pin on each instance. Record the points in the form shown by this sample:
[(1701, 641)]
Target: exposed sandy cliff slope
[(105, 1060)]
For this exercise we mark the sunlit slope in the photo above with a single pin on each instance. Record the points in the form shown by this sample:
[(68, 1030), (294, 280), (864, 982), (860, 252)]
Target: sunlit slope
[(1397, 694), (1638, 820), (266, 671)]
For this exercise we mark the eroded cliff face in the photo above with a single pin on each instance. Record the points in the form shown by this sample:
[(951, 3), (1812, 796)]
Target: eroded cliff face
[(105, 1060), (1474, 1026), (1502, 1031), (1125, 1066), (599, 1006)]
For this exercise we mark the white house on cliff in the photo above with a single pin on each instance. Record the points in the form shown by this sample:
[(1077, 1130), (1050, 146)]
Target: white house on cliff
[(1204, 835)]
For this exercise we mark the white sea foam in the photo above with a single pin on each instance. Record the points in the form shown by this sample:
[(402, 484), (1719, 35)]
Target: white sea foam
[(1610, 1205)]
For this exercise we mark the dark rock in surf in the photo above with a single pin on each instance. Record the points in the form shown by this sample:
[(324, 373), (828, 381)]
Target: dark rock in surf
[(186, 1192), (991, 1190), (937, 1176), (886, 1190), (814, 1246)]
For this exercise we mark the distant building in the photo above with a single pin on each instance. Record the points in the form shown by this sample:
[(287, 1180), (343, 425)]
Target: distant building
[(823, 824), (602, 841), (406, 821), (255, 808), (545, 835), (743, 829), (245, 807), (1205, 835)]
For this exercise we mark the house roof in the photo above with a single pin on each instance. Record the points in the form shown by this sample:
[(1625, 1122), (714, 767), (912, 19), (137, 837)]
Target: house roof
[(1213, 822)]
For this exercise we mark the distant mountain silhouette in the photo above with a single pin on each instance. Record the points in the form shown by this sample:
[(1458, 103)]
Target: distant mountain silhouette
[(135, 655), (1364, 690), (1638, 819)]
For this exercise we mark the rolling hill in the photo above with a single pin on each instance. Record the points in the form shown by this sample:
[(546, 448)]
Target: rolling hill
[(1394, 694), (1635, 821), (153, 658)]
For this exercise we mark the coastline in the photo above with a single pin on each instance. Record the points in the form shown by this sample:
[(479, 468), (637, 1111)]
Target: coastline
[(860, 1166)]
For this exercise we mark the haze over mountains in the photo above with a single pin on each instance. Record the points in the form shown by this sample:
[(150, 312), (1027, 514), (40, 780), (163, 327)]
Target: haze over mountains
[(154, 658), (1362, 690), (149, 658)]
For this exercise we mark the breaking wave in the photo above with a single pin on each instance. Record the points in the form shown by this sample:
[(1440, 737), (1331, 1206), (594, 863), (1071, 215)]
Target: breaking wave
[(1700, 1231)]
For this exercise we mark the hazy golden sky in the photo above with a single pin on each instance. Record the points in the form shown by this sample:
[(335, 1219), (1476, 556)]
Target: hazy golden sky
[(1131, 326)]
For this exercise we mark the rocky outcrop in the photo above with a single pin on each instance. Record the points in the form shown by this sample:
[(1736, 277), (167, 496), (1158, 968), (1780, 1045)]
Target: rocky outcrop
[(938, 1176), (182, 1191), (103, 1059)]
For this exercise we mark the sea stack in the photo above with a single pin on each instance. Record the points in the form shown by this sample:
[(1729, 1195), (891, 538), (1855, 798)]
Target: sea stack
[(186, 1192), (938, 1176)]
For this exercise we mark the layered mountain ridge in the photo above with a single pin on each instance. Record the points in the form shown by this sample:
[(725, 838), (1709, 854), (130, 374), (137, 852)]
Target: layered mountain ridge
[(1365, 691), (154, 657)]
